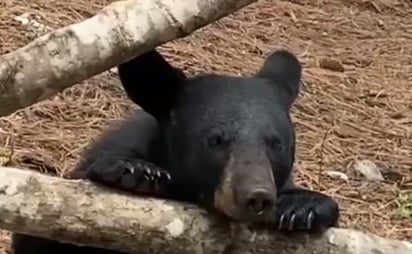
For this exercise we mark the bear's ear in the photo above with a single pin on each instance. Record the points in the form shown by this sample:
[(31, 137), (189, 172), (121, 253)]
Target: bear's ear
[(284, 70), (151, 82)]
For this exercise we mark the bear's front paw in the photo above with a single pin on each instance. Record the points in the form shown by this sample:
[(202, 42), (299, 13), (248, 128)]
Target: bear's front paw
[(130, 174), (143, 176), (305, 210)]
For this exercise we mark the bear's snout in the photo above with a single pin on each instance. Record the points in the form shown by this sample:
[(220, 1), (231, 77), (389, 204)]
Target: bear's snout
[(247, 190), (255, 192), (258, 203)]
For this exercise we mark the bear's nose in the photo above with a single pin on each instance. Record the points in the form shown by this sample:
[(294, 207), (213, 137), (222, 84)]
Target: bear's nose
[(260, 202)]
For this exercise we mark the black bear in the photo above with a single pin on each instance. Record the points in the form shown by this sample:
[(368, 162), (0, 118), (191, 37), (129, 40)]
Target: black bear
[(226, 143)]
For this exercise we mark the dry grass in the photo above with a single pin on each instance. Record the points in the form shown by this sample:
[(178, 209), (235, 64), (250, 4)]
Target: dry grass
[(356, 102)]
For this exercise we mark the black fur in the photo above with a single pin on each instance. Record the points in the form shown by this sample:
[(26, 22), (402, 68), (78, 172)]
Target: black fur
[(201, 139)]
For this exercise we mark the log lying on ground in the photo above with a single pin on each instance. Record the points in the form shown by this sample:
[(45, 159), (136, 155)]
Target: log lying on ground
[(78, 211), (121, 30)]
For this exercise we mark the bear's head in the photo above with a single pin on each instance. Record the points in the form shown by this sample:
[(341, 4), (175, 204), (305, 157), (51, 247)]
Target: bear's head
[(229, 141)]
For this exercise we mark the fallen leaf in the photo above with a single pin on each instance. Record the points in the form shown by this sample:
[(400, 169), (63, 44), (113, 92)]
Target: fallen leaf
[(337, 175), (405, 205), (5, 157)]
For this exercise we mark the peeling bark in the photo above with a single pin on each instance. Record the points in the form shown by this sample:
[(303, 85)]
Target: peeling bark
[(123, 29), (80, 212)]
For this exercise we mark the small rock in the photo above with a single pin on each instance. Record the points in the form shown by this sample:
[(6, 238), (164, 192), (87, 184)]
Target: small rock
[(369, 170), (391, 174), (331, 64)]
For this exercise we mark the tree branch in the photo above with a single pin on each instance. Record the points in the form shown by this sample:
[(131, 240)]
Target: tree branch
[(121, 30), (78, 211)]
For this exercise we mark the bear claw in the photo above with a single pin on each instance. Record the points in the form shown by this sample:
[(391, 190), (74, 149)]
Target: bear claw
[(305, 211), (311, 217), (135, 173), (154, 175)]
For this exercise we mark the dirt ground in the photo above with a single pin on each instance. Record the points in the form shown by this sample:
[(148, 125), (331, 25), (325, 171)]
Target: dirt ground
[(356, 102)]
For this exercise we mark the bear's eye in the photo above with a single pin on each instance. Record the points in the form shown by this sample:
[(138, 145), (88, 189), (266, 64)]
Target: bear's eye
[(274, 143), (217, 141)]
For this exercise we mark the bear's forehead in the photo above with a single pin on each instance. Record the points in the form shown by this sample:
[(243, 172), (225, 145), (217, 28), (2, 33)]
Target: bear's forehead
[(230, 94), (239, 103)]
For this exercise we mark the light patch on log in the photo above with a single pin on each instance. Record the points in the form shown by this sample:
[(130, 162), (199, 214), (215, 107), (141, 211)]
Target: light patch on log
[(176, 227)]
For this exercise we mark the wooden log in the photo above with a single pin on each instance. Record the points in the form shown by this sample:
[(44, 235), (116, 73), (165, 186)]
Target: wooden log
[(121, 30), (80, 212)]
